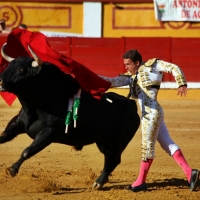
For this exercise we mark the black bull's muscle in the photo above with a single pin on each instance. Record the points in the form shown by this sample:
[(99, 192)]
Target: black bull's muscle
[(44, 98)]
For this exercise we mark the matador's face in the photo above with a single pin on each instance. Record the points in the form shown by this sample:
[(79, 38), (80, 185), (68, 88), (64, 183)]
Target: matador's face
[(131, 66)]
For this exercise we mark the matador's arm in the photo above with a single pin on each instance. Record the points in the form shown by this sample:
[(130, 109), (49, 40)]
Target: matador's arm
[(118, 81), (174, 70)]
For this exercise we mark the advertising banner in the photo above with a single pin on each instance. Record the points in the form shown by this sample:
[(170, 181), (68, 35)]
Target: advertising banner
[(177, 10)]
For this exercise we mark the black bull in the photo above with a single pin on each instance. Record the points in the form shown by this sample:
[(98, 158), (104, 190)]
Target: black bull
[(44, 98)]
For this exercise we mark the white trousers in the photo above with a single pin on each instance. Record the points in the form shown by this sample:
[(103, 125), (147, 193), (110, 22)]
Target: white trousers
[(165, 140)]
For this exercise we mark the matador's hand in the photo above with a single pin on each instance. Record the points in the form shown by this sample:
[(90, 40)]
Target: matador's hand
[(182, 90)]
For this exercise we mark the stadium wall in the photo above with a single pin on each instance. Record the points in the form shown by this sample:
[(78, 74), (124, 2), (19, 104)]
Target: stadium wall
[(104, 56)]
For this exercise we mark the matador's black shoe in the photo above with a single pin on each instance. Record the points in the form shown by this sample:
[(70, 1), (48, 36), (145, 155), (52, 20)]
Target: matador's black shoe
[(194, 179), (142, 187)]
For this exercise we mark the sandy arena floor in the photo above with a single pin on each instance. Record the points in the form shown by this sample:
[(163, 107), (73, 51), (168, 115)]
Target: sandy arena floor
[(60, 173)]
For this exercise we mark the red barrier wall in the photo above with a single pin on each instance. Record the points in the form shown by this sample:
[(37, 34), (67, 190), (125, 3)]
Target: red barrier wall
[(104, 55)]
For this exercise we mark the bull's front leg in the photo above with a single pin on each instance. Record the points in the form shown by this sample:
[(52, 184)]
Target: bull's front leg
[(14, 128), (110, 163), (112, 158), (42, 140)]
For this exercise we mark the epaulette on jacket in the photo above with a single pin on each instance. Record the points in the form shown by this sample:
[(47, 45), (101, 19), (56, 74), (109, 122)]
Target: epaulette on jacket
[(150, 62)]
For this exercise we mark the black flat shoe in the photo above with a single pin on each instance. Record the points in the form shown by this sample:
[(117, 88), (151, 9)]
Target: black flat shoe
[(194, 179), (142, 187)]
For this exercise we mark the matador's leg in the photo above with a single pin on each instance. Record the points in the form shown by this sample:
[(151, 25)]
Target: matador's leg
[(152, 115)]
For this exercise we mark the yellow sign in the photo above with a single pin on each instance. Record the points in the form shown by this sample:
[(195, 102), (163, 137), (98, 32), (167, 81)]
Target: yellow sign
[(44, 16)]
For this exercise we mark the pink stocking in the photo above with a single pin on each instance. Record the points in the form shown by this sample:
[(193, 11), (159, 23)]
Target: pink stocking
[(179, 158), (144, 168)]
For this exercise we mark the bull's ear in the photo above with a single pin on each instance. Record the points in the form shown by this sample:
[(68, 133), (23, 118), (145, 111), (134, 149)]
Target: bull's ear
[(5, 56), (37, 62)]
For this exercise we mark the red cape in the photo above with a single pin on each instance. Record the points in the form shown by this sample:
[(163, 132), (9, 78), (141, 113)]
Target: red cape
[(17, 45)]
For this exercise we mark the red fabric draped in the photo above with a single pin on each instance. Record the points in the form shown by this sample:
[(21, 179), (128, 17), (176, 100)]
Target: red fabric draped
[(17, 45)]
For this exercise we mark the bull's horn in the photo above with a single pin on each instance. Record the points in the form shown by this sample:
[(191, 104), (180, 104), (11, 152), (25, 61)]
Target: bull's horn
[(5, 56), (38, 61)]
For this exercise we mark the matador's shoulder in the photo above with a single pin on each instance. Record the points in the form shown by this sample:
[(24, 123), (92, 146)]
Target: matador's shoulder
[(126, 74), (150, 62)]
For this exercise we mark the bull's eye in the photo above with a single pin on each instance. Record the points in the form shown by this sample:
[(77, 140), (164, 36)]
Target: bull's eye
[(21, 69)]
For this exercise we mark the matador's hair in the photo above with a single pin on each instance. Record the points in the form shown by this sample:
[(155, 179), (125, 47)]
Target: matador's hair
[(134, 55)]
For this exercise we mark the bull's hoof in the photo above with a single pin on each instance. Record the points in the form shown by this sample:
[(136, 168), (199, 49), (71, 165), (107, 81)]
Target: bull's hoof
[(97, 186), (11, 171)]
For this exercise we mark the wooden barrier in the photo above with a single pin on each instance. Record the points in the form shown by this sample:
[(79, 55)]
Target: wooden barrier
[(104, 55)]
